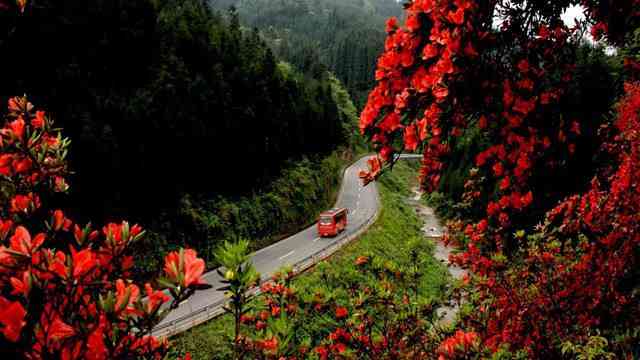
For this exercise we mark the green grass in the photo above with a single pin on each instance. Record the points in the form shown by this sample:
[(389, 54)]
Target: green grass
[(388, 240)]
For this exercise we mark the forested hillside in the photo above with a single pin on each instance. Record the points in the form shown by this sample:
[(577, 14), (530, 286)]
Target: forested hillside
[(167, 100), (343, 35)]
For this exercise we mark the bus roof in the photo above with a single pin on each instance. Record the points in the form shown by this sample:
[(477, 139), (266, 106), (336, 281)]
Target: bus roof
[(333, 212)]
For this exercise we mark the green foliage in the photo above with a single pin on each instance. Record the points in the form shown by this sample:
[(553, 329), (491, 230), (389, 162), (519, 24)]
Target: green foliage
[(158, 96), (289, 203), (344, 36), (394, 243), (595, 348), (238, 275), (233, 255)]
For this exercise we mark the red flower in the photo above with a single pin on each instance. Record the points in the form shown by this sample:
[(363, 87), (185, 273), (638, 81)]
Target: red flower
[(17, 128), (505, 183), (119, 235), (341, 312), (95, 343), (340, 347), (39, 120), (527, 199), (456, 17), (245, 319), (24, 203), (60, 184), (392, 24), (498, 169), (492, 209), (361, 260), (523, 66), (526, 84), (598, 30), (507, 96), (390, 123), (155, 298), (21, 286), (440, 93), (430, 51), (83, 262), (60, 222), (5, 161), (21, 241), (184, 267), (322, 352), (386, 152), (481, 158), (126, 296), (413, 24), (482, 226), (410, 138), (58, 330), (12, 318), (524, 106), (482, 122), (22, 165), (269, 345)]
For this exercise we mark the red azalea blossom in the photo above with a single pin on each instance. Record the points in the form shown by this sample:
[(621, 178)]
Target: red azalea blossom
[(341, 312), (184, 267), (21, 241), (58, 330), (39, 120), (12, 319), (392, 24), (83, 262)]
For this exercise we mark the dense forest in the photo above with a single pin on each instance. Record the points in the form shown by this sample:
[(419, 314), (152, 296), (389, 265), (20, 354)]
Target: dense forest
[(345, 36), (167, 102)]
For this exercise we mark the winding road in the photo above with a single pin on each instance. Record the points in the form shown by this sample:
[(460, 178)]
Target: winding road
[(301, 251)]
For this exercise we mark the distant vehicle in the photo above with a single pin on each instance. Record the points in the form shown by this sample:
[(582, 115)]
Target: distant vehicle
[(332, 222)]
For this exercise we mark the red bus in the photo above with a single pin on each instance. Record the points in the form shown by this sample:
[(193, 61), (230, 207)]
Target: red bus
[(332, 222)]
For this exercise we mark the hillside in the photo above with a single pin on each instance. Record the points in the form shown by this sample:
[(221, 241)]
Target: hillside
[(344, 36), (170, 106)]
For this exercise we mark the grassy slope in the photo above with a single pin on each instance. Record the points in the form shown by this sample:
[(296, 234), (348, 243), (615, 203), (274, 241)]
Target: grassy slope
[(388, 238)]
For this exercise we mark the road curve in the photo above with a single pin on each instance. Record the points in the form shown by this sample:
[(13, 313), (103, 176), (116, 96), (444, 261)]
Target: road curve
[(300, 250)]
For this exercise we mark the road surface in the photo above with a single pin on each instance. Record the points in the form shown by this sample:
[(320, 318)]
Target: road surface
[(305, 247)]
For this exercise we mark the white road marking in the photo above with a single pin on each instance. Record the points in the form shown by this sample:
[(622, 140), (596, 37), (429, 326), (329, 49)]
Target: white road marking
[(287, 254), (316, 239)]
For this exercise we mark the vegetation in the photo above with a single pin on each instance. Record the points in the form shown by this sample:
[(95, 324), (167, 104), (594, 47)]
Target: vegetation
[(387, 245), (344, 36), (545, 198), (66, 290), (513, 126), (172, 98)]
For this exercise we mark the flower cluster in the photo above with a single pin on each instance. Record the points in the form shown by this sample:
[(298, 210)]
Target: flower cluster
[(372, 322), (451, 70), (66, 292)]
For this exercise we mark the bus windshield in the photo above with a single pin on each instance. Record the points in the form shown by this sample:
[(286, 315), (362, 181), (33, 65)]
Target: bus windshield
[(326, 220)]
